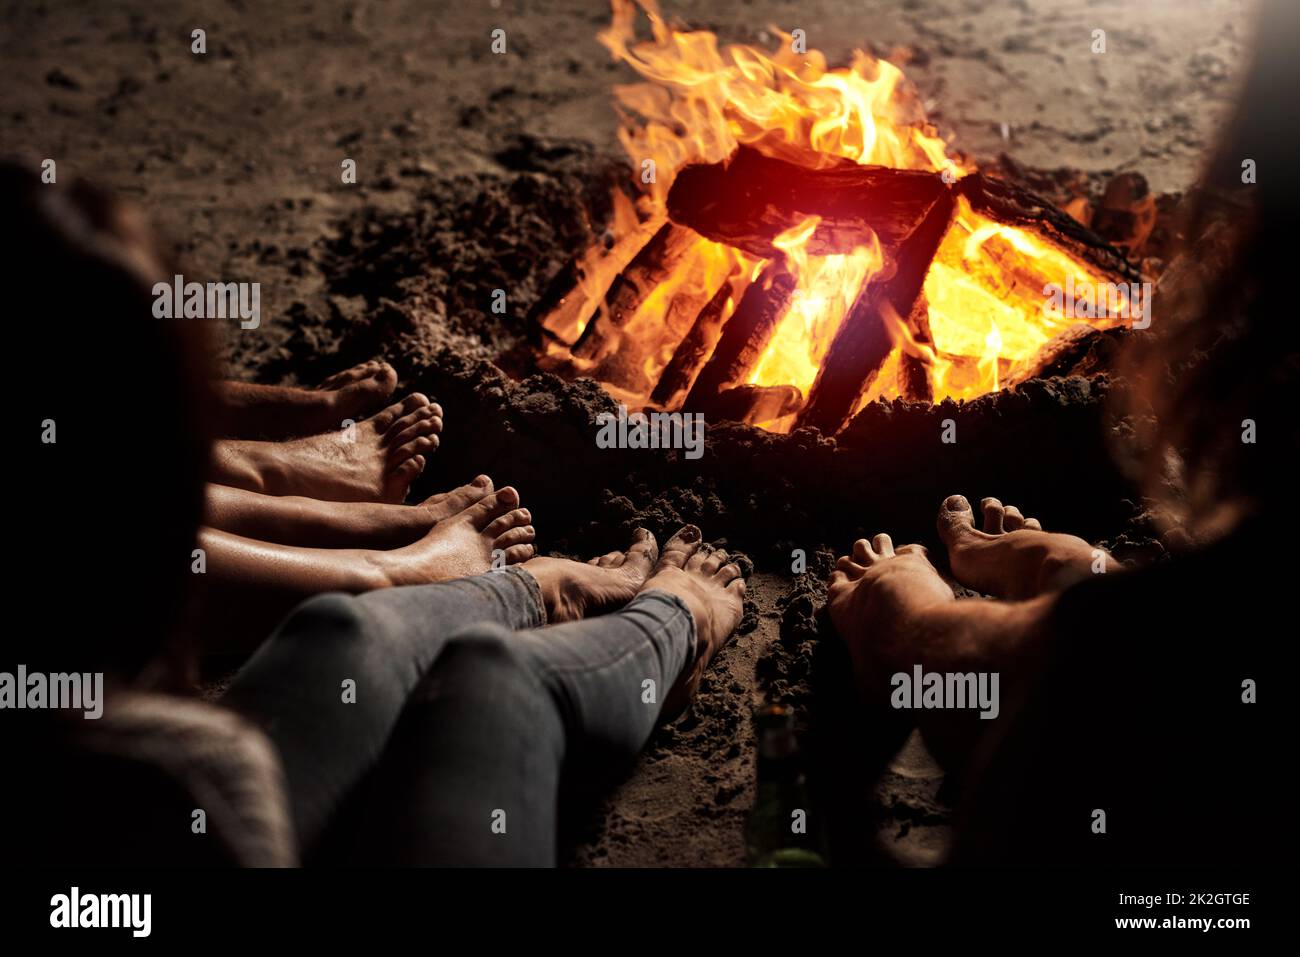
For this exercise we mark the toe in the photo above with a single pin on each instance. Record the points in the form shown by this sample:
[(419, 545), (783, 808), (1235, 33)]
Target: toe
[(398, 482), (409, 427), (519, 553), (1012, 519), (350, 374), (423, 445), (491, 507), (409, 470), (849, 568), (377, 380), (522, 535), (883, 545), (727, 573), (862, 553), (643, 553), (512, 519), (1034, 524), (696, 562), (713, 561), (956, 518), (383, 419), (459, 499), (678, 549), (993, 513)]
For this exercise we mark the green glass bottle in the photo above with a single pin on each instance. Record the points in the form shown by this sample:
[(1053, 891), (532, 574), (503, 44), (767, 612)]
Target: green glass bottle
[(778, 831)]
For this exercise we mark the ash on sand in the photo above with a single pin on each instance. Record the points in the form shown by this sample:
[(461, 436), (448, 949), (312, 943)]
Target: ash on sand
[(409, 286)]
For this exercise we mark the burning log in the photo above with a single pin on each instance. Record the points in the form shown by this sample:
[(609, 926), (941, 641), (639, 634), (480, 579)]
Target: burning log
[(745, 336), (1012, 205), (914, 382), (648, 342), (558, 308), (648, 268), (567, 301), (1067, 353), (750, 199), (863, 343), (753, 403), (694, 350), (914, 374)]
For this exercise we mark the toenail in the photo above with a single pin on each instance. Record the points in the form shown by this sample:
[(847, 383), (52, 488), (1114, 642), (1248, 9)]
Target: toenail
[(481, 480), (690, 534)]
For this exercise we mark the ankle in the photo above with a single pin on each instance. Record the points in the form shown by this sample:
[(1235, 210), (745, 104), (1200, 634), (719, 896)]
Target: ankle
[(381, 525), (239, 464), (1061, 569), (329, 409), (271, 474), (377, 568), (550, 577)]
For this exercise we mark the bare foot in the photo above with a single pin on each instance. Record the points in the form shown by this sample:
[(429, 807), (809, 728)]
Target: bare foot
[(895, 613), (261, 411), (712, 588), (463, 544), (315, 523), (375, 460), (380, 525), (1013, 557), (359, 390), (441, 506), (573, 590), (874, 598)]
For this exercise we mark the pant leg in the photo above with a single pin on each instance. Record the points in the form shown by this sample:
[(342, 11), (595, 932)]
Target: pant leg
[(383, 642), (472, 776)]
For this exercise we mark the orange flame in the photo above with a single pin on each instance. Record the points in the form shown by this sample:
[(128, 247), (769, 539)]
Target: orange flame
[(698, 102), (701, 103), (825, 287)]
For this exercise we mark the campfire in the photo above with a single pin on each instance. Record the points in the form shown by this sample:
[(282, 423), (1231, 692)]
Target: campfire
[(802, 243)]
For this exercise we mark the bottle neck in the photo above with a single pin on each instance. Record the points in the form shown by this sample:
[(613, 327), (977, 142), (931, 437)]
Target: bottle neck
[(778, 755)]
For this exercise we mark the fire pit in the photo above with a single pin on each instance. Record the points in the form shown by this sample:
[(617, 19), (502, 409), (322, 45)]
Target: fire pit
[(803, 243)]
